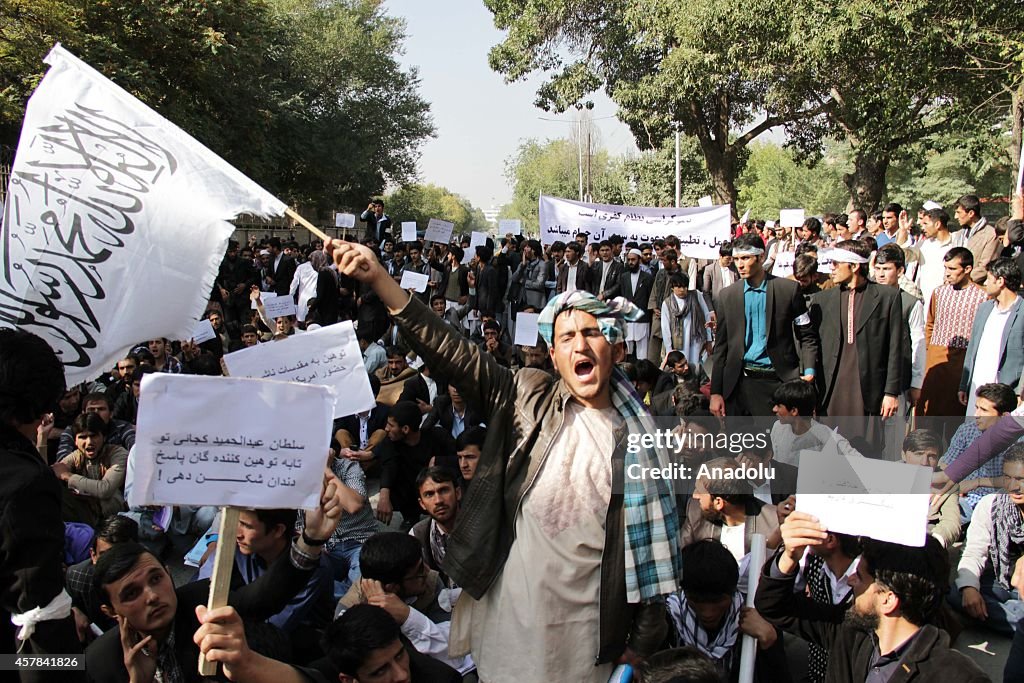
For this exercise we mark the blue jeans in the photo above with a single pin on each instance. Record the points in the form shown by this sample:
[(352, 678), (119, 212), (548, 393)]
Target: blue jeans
[(1005, 608), (344, 559)]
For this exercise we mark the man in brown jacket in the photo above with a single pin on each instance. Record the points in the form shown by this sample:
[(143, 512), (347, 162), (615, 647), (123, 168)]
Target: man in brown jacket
[(517, 529)]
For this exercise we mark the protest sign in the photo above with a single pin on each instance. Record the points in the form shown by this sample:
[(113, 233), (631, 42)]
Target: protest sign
[(329, 357), (278, 306), (512, 226), (700, 230), (705, 201), (887, 501), (791, 218), (527, 331), (95, 191), (344, 220), (783, 265), (477, 239), (439, 231), (265, 447), (414, 281), (203, 331), (408, 231)]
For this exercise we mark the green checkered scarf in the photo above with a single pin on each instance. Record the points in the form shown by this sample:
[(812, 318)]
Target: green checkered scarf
[(649, 505)]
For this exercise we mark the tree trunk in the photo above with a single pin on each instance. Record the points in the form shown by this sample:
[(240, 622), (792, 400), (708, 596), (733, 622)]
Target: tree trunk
[(866, 184), (722, 169)]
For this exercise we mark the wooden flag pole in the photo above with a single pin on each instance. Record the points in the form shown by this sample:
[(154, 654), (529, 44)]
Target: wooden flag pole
[(306, 224), (223, 563)]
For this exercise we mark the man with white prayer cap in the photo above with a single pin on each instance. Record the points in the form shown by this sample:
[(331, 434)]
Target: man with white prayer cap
[(636, 285)]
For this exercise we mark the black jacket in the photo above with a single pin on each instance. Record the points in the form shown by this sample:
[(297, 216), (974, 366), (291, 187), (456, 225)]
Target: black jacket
[(785, 305), (851, 651), (879, 334), (442, 415), (640, 297), (257, 601), (31, 551), (283, 274)]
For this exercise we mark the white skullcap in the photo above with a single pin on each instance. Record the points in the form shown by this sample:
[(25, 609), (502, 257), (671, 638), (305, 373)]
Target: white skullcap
[(635, 252)]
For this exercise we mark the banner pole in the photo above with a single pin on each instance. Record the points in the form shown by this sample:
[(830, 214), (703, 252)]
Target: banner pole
[(306, 224)]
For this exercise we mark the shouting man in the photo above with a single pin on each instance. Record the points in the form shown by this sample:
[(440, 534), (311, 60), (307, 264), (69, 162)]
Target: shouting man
[(613, 544)]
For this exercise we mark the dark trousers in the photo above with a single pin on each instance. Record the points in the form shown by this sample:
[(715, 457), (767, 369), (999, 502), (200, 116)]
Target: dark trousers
[(752, 396)]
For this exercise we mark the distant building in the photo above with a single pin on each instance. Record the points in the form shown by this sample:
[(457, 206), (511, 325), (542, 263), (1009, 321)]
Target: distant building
[(492, 214)]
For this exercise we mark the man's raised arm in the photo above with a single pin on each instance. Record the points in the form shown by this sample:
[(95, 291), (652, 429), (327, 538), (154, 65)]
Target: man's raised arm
[(477, 375)]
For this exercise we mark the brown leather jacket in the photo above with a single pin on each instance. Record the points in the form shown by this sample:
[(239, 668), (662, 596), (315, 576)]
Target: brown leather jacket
[(523, 412)]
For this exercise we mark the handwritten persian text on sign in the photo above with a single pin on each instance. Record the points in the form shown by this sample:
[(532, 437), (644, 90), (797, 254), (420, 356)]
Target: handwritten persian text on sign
[(265, 447), (329, 356)]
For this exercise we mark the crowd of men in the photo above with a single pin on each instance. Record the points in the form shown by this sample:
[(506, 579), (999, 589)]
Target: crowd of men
[(504, 543)]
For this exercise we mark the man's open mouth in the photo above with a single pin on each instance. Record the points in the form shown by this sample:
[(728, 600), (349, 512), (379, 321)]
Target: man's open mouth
[(584, 369)]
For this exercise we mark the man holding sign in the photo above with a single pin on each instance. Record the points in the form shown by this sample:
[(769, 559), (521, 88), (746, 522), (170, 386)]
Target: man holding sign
[(156, 622), (887, 633), (612, 542)]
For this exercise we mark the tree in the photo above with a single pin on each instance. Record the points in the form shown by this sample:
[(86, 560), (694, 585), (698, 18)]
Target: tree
[(887, 80), (552, 168), (774, 180), (708, 67), (305, 97), (420, 203)]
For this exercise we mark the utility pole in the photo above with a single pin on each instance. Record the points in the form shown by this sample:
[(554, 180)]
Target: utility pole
[(678, 171), (590, 195), (579, 148)]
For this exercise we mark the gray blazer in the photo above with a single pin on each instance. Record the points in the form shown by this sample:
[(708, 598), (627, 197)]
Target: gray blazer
[(1011, 359)]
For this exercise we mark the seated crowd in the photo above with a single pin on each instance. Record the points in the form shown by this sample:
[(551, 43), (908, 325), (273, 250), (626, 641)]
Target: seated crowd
[(365, 587)]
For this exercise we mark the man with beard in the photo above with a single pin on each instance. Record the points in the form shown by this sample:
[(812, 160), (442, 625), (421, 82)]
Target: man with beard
[(887, 631), (236, 276), (636, 285)]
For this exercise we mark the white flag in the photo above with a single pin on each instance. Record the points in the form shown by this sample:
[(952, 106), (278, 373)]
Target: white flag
[(746, 215), (116, 220)]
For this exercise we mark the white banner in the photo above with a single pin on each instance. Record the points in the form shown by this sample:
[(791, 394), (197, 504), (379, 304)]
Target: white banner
[(116, 221), (329, 356), (264, 447), (701, 230)]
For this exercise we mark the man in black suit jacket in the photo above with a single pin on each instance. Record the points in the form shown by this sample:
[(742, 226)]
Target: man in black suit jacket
[(752, 357), (636, 285), (605, 272), (573, 264), (377, 223), (442, 414), (418, 390), (867, 362), (281, 269)]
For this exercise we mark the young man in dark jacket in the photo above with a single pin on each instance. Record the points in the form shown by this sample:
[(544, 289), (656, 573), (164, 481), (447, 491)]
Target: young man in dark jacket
[(31, 530), (887, 634)]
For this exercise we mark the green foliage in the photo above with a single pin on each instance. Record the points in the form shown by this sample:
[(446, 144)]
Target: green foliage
[(305, 97), (420, 203), (774, 180)]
